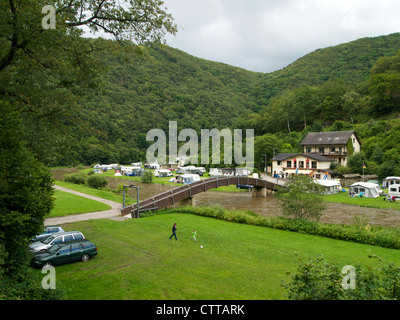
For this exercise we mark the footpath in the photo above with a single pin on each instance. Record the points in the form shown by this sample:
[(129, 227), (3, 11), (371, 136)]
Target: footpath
[(113, 213)]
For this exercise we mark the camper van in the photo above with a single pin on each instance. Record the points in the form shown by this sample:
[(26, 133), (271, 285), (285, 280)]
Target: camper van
[(163, 173), (393, 185)]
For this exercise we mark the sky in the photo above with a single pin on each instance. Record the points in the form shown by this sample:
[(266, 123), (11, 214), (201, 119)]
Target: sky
[(268, 35)]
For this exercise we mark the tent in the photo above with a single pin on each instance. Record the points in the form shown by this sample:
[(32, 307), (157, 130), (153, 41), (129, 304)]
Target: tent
[(331, 186), (369, 190)]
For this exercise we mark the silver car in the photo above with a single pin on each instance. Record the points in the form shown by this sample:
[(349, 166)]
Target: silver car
[(59, 237)]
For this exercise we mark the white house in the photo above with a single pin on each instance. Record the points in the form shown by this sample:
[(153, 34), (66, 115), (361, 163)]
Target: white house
[(314, 165), (337, 145)]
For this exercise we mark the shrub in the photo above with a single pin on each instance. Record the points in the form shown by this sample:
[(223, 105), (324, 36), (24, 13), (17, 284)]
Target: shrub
[(77, 178), (146, 177), (317, 279), (97, 182)]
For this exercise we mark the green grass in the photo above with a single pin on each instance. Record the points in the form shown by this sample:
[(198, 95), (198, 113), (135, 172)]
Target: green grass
[(136, 260), (378, 203), (101, 193), (68, 204)]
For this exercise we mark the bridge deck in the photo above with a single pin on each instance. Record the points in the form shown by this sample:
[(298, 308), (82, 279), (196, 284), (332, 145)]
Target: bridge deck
[(173, 196)]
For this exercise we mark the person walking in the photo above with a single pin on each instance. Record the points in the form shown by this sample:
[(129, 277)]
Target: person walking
[(174, 229)]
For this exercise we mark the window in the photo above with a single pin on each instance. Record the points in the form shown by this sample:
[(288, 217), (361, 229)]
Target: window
[(397, 182), (333, 149), (321, 150), (78, 236), (308, 150), (289, 164), (314, 164), (65, 249), (75, 247), (87, 245), (356, 190), (393, 189), (301, 164), (57, 240), (279, 163), (68, 238), (362, 190), (340, 150)]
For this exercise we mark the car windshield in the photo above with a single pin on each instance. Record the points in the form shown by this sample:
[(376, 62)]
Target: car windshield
[(48, 240), (54, 249)]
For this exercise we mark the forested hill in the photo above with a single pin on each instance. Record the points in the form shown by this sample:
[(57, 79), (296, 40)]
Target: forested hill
[(351, 62), (142, 93)]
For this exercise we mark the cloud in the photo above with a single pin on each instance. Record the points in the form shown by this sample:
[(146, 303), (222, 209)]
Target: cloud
[(267, 35)]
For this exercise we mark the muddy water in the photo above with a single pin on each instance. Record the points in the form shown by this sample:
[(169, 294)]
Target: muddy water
[(269, 206)]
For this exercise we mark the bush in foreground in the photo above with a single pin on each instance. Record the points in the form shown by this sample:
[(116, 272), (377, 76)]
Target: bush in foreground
[(317, 279)]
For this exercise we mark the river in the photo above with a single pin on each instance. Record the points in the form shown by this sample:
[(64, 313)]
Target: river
[(268, 206)]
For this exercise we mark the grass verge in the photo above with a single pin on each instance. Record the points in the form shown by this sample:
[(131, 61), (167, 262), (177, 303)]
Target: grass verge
[(68, 204)]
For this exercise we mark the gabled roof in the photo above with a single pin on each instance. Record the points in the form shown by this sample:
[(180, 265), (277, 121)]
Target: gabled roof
[(284, 156), (328, 138)]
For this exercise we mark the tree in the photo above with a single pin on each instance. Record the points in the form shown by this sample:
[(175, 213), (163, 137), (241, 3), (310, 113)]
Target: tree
[(301, 198), (45, 72), (26, 193)]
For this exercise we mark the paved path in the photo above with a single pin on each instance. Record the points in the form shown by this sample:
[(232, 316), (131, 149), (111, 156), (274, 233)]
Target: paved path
[(114, 212)]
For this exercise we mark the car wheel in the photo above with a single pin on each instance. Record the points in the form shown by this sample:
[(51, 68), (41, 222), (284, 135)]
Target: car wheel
[(85, 257)]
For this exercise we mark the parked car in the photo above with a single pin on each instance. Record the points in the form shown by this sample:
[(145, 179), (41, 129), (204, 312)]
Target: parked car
[(46, 232), (56, 238), (77, 250)]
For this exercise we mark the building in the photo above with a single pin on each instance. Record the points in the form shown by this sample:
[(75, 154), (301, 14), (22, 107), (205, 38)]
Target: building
[(338, 145), (314, 165)]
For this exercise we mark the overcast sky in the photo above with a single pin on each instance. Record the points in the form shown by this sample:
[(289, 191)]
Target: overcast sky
[(268, 35)]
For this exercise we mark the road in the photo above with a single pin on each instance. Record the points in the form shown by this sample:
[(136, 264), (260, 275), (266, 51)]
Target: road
[(113, 213)]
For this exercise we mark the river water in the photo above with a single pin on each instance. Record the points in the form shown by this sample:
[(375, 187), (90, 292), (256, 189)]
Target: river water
[(268, 206)]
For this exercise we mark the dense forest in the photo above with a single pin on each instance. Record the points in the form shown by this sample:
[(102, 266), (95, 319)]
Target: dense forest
[(349, 86)]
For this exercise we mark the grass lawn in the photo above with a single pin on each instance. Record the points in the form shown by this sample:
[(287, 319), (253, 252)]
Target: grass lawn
[(104, 194), (136, 260), (343, 197), (68, 204)]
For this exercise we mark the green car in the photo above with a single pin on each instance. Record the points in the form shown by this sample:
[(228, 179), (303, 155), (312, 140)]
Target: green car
[(78, 250)]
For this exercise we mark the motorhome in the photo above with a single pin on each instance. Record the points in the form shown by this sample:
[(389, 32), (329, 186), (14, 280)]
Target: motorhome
[(162, 173), (393, 185)]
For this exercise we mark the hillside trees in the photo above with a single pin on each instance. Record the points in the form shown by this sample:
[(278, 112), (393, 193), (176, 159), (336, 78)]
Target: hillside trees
[(44, 72)]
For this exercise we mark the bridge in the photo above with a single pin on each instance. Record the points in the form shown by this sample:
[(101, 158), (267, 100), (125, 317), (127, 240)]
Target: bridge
[(187, 191)]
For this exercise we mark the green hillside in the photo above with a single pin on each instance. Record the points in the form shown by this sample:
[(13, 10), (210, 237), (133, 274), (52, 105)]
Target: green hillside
[(143, 92), (349, 61)]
